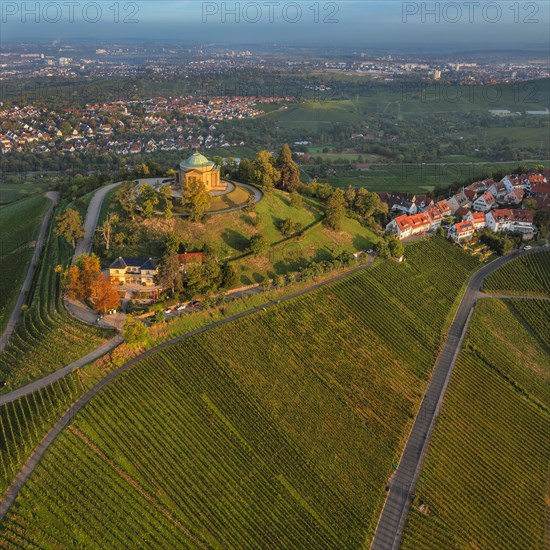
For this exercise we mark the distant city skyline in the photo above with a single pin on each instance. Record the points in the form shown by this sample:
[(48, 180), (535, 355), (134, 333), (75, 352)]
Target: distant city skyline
[(369, 24)]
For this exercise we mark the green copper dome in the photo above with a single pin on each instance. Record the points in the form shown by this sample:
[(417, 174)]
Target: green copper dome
[(196, 160)]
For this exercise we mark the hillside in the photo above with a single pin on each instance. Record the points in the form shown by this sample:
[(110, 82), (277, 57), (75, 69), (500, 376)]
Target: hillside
[(526, 275), (484, 482), (19, 227), (282, 426)]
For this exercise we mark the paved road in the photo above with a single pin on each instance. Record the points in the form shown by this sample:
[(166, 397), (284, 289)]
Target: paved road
[(16, 313), (84, 245), (33, 460), (393, 518)]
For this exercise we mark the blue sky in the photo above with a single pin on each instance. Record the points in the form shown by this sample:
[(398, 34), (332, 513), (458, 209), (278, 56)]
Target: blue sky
[(349, 22)]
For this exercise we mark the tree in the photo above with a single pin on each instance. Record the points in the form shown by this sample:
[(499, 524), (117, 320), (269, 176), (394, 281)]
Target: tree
[(107, 227), (265, 173), (69, 226), (160, 316), (89, 275), (229, 277), (296, 200), (196, 199), (171, 244), (287, 227), (166, 194), (381, 248), (126, 197), (134, 332), (335, 210), (395, 247), (169, 274), (105, 296), (148, 199), (246, 171), (258, 244), (290, 173)]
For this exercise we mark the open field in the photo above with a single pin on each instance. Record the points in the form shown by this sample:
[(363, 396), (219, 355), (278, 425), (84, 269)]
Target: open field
[(529, 274), (11, 192), (258, 430), (19, 227), (416, 178), (484, 482), (46, 337)]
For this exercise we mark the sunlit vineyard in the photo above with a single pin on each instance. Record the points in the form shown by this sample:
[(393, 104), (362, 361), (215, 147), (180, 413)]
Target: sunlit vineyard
[(280, 428), (484, 482), (24, 422), (529, 274), (47, 337), (19, 227)]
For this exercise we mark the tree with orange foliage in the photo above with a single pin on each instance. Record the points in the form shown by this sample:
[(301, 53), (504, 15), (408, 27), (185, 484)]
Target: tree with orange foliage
[(90, 272), (105, 296)]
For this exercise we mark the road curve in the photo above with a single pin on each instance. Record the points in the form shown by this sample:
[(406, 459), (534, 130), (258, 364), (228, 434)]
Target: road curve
[(393, 518), (16, 313), (84, 245), (32, 462)]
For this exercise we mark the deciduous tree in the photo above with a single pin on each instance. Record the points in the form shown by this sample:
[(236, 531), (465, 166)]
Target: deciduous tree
[(69, 226)]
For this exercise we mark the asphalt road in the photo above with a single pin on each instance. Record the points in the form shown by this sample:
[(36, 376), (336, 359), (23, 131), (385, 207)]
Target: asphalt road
[(393, 518), (16, 313), (84, 245)]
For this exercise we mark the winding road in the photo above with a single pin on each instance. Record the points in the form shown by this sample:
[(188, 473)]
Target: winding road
[(393, 518), (16, 313)]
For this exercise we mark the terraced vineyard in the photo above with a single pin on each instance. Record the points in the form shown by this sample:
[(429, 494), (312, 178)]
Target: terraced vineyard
[(46, 337), (24, 422), (19, 227), (529, 274), (484, 482), (278, 429)]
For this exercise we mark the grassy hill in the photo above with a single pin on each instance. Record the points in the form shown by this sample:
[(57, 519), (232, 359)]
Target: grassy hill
[(280, 428), (484, 482), (229, 234), (19, 227)]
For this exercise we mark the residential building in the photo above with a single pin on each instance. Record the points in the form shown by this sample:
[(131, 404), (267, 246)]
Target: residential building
[(477, 218), (460, 200), (133, 271), (485, 202), (405, 226), (445, 208), (516, 221), (435, 217), (462, 231), (189, 260)]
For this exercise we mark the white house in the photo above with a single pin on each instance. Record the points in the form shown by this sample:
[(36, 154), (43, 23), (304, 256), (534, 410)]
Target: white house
[(485, 202), (477, 218), (462, 231), (516, 221)]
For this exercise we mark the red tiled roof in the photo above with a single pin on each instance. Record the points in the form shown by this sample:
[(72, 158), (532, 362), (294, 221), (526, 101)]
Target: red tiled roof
[(464, 227)]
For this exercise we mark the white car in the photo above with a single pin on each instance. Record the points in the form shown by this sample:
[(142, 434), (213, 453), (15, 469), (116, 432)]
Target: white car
[(168, 310), (528, 248), (180, 307)]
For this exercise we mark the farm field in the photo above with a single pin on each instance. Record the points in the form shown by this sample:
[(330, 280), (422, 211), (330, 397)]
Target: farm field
[(19, 226), (46, 337), (529, 274), (215, 442), (484, 481), (25, 421), (12, 192)]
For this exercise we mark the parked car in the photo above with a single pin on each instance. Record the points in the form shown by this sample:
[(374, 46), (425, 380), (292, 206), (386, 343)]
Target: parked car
[(194, 303), (181, 307), (168, 310), (527, 248)]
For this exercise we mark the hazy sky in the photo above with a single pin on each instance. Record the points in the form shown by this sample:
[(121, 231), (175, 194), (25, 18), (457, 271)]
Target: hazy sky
[(451, 25)]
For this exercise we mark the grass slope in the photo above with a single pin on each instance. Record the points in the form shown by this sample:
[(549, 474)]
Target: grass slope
[(278, 429), (484, 482), (19, 227)]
